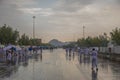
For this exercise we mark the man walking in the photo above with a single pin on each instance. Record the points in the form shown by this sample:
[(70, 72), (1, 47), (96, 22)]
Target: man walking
[(94, 59)]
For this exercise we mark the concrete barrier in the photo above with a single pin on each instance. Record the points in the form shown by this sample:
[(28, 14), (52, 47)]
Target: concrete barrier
[(112, 53)]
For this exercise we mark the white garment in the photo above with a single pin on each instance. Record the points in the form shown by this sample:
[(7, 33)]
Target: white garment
[(94, 54), (9, 56), (94, 59), (86, 51)]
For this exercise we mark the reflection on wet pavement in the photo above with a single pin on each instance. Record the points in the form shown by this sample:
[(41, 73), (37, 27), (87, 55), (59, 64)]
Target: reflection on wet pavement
[(57, 65)]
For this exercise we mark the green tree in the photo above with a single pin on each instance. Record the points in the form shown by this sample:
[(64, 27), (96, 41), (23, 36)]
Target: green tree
[(92, 42), (35, 42), (115, 35), (8, 35), (24, 40)]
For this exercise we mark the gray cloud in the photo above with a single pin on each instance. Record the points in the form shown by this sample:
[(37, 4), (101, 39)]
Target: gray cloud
[(82, 2), (10, 15), (73, 5), (1, 1), (118, 1), (63, 19), (98, 16)]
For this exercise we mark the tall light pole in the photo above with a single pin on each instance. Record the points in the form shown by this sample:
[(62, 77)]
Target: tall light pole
[(33, 38), (84, 32), (34, 27)]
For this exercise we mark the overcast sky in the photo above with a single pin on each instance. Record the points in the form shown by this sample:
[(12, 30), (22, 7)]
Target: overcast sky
[(61, 19)]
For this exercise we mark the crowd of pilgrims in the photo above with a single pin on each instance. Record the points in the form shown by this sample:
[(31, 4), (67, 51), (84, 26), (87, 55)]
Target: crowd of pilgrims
[(86, 53), (11, 56)]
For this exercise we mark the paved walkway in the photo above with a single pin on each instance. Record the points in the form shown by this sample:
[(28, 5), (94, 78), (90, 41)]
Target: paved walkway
[(57, 65)]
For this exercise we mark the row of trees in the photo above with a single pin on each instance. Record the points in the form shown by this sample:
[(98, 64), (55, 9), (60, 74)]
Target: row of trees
[(93, 41), (25, 40), (10, 36), (101, 40)]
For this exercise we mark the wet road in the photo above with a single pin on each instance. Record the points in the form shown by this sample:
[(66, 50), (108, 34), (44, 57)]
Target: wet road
[(57, 65)]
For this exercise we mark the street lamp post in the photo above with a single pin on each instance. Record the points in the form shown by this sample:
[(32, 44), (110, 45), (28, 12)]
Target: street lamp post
[(34, 27), (33, 38), (84, 32)]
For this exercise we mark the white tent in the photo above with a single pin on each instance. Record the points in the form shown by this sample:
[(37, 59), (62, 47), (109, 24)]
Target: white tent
[(1, 46), (18, 48)]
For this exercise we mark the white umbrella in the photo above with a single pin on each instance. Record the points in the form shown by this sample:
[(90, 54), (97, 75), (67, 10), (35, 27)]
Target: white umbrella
[(8, 47)]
